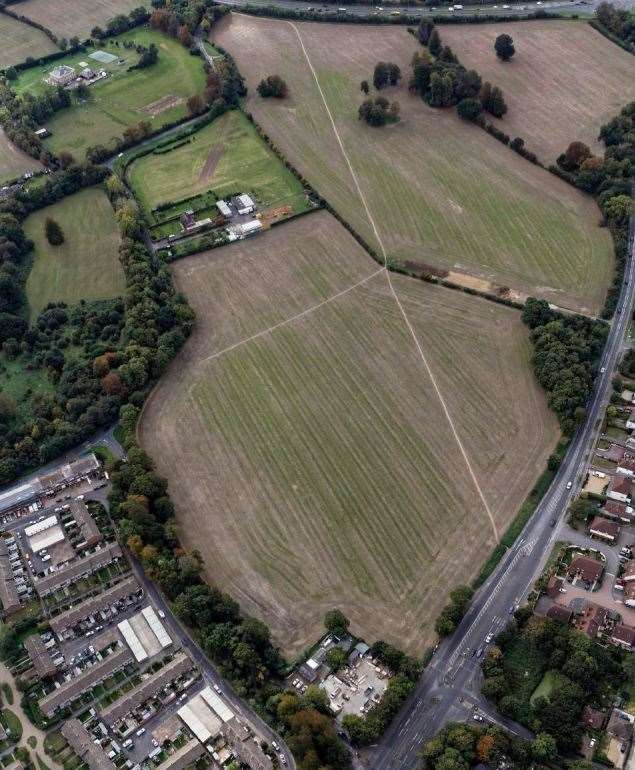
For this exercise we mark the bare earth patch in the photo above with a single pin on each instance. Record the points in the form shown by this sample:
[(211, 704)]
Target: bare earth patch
[(215, 154), (306, 450), (563, 83), (74, 17), (162, 104)]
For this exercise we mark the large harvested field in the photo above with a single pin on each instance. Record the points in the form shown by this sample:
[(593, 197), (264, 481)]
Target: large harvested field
[(14, 162), (442, 192), (86, 266), (226, 156), (156, 94), (75, 17), (563, 83), (18, 41), (306, 449)]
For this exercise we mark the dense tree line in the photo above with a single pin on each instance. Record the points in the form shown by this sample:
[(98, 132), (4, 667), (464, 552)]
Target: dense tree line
[(588, 674), (440, 79), (460, 746), (566, 354), (453, 612), (121, 23), (406, 671), (617, 23), (608, 179)]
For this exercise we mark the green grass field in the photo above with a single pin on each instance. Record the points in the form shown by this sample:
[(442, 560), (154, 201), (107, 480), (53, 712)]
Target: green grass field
[(547, 685), (442, 192), (326, 473), (124, 98), (226, 156), (18, 41), (86, 266)]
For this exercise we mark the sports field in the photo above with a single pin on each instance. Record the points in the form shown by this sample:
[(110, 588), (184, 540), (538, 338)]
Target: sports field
[(306, 448), (18, 41), (156, 94), (226, 156), (75, 17), (86, 266), (563, 83), (14, 162), (442, 192)]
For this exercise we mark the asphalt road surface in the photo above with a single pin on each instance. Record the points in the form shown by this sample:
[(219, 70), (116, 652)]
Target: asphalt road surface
[(501, 8), (454, 672)]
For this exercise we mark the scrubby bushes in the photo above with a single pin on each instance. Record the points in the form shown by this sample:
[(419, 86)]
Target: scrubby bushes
[(453, 612), (273, 85)]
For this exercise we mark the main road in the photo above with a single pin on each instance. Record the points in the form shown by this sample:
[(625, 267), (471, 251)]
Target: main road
[(452, 677), (332, 12)]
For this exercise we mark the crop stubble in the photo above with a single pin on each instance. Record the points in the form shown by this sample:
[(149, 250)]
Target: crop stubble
[(312, 466), (441, 191)]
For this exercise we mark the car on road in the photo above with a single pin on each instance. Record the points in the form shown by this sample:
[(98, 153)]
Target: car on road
[(552, 523), (602, 370), (283, 759), (488, 638), (275, 745), (479, 652), (592, 743), (511, 610), (569, 484), (161, 614), (218, 689), (478, 718)]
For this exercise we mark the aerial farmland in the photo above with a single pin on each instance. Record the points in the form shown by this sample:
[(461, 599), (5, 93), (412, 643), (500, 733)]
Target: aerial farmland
[(327, 473), (442, 192)]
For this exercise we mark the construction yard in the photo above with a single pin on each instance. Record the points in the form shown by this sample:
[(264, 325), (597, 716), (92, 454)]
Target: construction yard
[(441, 192), (86, 266), (326, 471), (156, 94), (564, 81), (74, 17)]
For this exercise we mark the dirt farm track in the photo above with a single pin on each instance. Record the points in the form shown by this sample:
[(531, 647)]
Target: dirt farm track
[(306, 450)]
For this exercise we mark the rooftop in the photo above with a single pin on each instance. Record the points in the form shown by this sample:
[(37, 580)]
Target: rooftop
[(82, 744), (588, 569), (624, 634)]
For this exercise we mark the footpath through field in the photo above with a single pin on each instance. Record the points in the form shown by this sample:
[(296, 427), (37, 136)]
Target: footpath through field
[(394, 293)]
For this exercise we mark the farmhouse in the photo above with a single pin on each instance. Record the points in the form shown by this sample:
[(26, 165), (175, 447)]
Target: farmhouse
[(61, 75), (620, 489), (604, 529), (586, 569)]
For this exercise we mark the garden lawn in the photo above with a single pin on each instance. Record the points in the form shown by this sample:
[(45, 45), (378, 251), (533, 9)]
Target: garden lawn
[(124, 98), (86, 266), (226, 156)]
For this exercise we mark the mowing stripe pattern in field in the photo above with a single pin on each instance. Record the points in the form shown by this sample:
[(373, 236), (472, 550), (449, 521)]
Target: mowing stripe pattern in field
[(563, 83), (443, 193), (313, 461), (86, 266)]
